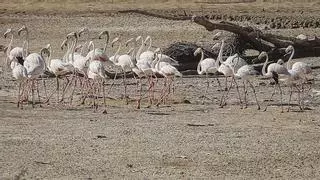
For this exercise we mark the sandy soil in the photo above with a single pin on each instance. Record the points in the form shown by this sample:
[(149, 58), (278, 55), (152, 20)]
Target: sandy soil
[(178, 140)]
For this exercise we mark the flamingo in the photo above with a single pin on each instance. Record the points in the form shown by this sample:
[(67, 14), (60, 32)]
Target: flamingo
[(206, 66), (145, 66), (149, 55), (274, 69), (166, 70), (246, 72), (300, 67), (59, 68), (125, 62), (19, 72), (225, 69), (35, 66), (100, 53), (96, 72), (300, 71), (14, 55)]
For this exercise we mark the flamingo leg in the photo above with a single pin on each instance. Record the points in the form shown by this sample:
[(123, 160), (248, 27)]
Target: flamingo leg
[(45, 87), (226, 84), (32, 92), (125, 87), (74, 87), (207, 87), (57, 79), (245, 94), (239, 96), (255, 94), (104, 96), (219, 84), (113, 82), (140, 95), (273, 93), (281, 94), (38, 92), (225, 94), (162, 91), (19, 88), (299, 98), (303, 96), (290, 96)]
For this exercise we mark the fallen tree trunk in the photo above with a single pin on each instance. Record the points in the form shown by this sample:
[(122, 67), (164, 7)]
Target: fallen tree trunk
[(258, 40), (250, 37)]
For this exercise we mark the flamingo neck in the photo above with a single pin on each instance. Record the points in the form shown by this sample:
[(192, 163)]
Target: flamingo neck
[(106, 43), (66, 55), (264, 72), (116, 53), (289, 61), (10, 46), (199, 64), (93, 53), (25, 52), (150, 44), (140, 48), (73, 47), (219, 59)]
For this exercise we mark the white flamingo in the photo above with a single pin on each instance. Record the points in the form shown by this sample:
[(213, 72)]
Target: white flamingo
[(273, 71), (35, 66), (100, 53), (246, 73), (300, 67), (148, 54), (166, 70), (300, 71), (125, 62), (14, 55), (206, 66), (225, 69), (143, 68), (96, 72), (59, 68), (19, 72)]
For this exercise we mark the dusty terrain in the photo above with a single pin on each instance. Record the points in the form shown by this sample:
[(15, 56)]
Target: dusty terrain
[(174, 141)]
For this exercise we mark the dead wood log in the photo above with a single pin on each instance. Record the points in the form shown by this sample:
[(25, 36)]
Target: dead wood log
[(273, 44)]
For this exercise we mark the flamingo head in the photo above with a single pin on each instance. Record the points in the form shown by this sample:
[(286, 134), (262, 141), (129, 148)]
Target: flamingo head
[(129, 41), (63, 44), (45, 51), (114, 41), (23, 28), (90, 44), (262, 54), (5, 49), (217, 45), (138, 38), (145, 41), (289, 49), (156, 52), (72, 35), (280, 61), (7, 32), (104, 33), (84, 30), (197, 51)]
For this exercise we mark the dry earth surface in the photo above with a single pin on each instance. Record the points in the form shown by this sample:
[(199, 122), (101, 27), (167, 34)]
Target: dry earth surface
[(175, 141)]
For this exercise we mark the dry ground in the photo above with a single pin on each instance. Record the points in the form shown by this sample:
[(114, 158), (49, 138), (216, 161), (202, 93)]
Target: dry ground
[(62, 142)]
